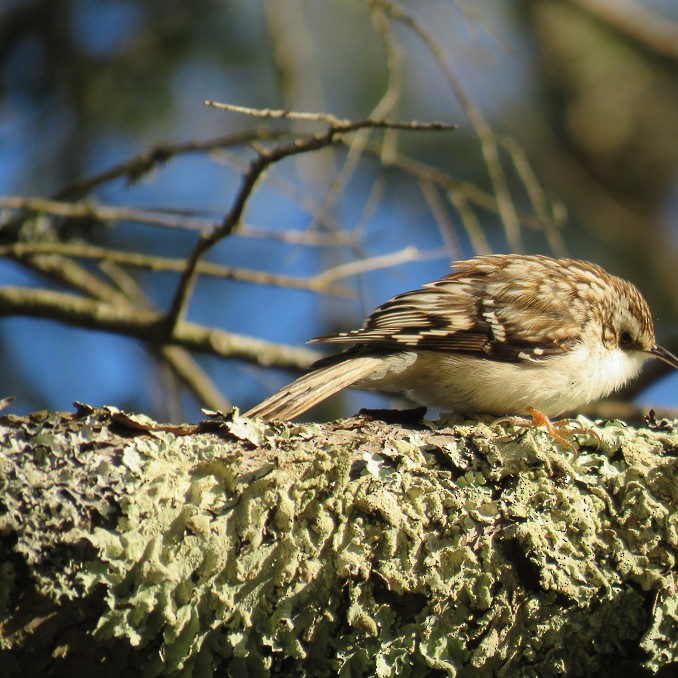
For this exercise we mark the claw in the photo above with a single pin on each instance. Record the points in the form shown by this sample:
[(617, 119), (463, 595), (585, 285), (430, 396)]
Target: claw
[(555, 429)]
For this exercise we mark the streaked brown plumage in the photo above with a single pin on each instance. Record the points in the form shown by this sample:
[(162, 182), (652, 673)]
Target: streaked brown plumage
[(502, 334)]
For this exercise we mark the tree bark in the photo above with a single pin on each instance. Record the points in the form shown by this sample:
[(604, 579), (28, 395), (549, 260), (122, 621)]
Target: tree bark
[(357, 547)]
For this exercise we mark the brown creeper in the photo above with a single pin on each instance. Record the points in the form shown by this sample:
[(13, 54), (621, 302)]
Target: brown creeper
[(504, 334)]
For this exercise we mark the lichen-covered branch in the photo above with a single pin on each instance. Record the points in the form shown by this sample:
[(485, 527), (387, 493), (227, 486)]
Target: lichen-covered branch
[(351, 548)]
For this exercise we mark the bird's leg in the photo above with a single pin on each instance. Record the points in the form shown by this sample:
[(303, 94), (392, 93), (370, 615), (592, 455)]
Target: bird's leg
[(555, 429)]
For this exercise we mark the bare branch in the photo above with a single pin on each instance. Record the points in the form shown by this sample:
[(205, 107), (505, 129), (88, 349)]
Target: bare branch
[(179, 360), (148, 326), (470, 191), (69, 273), (337, 124), (488, 143), (441, 216), (264, 159), (403, 256), (134, 168), (180, 363), (537, 195), (311, 238), (384, 107), (301, 197), (83, 251), (470, 220), (167, 219), (91, 210), (194, 378)]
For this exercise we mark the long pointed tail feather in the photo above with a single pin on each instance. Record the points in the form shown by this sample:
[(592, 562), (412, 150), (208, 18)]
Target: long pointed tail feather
[(313, 388)]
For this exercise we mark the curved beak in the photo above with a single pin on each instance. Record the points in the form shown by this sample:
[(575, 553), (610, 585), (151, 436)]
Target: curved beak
[(663, 354)]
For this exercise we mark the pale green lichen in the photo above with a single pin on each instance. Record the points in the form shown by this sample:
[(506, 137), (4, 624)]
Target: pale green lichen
[(365, 549)]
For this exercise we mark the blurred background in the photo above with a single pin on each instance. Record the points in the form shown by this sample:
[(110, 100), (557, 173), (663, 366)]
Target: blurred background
[(567, 144)]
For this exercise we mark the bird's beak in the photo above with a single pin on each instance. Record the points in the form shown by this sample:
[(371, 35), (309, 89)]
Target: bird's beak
[(663, 354)]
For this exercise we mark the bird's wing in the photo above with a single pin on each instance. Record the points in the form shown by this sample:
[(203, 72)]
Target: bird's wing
[(501, 308)]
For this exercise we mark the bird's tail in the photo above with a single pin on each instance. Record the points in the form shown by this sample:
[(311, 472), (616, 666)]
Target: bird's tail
[(313, 388)]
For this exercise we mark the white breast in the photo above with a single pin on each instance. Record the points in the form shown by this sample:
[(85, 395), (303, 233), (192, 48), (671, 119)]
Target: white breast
[(471, 384)]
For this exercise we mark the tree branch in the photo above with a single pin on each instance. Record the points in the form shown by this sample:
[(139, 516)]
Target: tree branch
[(263, 160), (134, 168), (148, 326), (354, 548), (23, 250)]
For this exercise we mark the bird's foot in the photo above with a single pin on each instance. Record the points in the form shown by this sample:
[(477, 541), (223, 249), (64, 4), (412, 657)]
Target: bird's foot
[(556, 429)]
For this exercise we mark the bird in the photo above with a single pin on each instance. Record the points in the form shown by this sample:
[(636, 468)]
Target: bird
[(503, 334)]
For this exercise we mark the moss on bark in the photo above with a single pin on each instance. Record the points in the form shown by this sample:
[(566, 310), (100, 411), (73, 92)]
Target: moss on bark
[(353, 548)]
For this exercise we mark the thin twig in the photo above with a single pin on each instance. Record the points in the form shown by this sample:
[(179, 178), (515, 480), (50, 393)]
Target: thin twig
[(178, 360), (488, 144), (90, 210), (405, 255), (291, 46), (83, 251), (67, 272), (394, 69), (385, 106), (306, 237), (445, 180), (536, 194), (195, 378), (134, 168), (441, 216), (373, 199), (338, 125), (468, 217), (167, 219), (264, 159), (300, 195), (123, 282)]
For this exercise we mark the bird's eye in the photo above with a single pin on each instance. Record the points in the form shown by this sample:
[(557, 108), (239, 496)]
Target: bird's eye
[(625, 338)]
